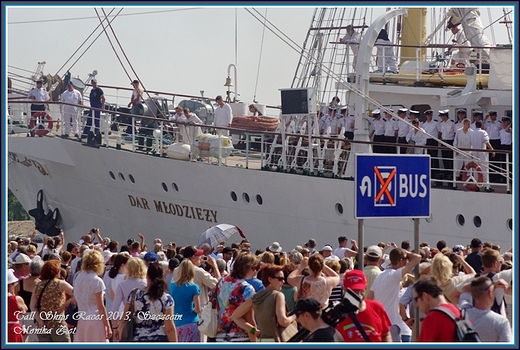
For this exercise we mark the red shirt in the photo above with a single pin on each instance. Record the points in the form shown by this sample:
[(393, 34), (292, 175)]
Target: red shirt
[(439, 327), (373, 320)]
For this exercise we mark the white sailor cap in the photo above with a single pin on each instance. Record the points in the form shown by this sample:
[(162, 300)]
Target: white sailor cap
[(428, 111), (478, 112), (414, 112), (461, 110), (390, 110), (343, 108), (376, 112), (402, 110), (444, 112)]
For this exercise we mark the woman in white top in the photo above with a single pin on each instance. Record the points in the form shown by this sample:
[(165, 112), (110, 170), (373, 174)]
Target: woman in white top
[(320, 281), (118, 274)]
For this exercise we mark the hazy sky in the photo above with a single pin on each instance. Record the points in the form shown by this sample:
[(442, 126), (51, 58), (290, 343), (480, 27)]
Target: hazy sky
[(174, 49)]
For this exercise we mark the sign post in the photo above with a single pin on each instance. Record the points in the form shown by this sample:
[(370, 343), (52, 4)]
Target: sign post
[(390, 186)]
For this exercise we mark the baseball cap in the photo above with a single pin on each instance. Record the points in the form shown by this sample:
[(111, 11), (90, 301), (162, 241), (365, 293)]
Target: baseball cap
[(306, 304), (374, 252), (135, 81), (190, 251), (355, 280), (476, 242), (93, 81), (327, 247), (150, 256), (21, 259), (107, 254)]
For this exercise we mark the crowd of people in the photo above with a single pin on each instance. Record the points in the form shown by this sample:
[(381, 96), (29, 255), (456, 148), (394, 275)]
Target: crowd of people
[(87, 291)]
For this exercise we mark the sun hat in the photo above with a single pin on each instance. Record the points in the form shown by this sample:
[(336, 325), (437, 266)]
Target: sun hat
[(327, 247), (275, 247), (21, 259), (11, 278)]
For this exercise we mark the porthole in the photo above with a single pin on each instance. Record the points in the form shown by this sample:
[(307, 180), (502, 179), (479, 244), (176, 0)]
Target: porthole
[(121, 176), (259, 199), (165, 187), (460, 220), (245, 197), (131, 177), (477, 221), (233, 196), (175, 187), (339, 208), (509, 224), (112, 175)]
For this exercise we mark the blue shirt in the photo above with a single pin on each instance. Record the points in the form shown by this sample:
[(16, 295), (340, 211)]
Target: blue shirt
[(257, 284), (184, 305)]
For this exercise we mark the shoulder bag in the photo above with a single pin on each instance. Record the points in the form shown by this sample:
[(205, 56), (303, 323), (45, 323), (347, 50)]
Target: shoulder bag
[(283, 334), (208, 318), (127, 335)]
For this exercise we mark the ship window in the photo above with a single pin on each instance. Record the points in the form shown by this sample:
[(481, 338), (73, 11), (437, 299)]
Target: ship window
[(175, 187), (477, 221), (165, 187), (121, 176), (130, 176), (245, 196), (339, 208), (509, 224), (259, 199), (233, 196), (112, 175), (460, 220)]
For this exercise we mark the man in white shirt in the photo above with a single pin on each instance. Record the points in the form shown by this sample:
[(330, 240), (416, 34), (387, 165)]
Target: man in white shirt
[(462, 140), (491, 327), (386, 287), (71, 114), (352, 39), (39, 95), (480, 140), (447, 131), (223, 116)]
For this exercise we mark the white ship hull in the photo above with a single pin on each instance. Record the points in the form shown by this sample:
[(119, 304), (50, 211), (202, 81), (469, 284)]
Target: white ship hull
[(76, 179)]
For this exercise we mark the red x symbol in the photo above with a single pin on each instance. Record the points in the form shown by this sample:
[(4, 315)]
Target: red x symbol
[(384, 185)]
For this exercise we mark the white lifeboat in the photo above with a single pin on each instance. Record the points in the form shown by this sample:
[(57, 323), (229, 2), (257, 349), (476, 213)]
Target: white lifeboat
[(179, 151), (208, 145)]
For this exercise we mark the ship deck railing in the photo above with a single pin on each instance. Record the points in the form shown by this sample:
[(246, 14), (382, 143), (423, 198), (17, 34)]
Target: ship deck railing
[(289, 152)]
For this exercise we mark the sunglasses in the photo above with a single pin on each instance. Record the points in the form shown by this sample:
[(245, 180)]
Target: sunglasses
[(281, 279)]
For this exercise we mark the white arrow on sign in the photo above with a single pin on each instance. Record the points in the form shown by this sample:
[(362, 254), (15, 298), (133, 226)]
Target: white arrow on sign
[(365, 186)]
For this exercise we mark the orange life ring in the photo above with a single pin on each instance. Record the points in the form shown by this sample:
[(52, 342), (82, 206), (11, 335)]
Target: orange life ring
[(471, 183), (41, 123)]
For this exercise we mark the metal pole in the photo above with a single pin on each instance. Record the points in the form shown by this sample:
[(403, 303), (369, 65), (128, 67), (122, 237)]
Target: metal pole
[(416, 316), (361, 244)]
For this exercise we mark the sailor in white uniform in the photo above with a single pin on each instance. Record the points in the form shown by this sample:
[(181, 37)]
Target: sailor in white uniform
[(402, 128), (71, 115)]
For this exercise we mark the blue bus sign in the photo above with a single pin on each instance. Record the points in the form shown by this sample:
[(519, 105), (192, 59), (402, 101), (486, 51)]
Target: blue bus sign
[(390, 186)]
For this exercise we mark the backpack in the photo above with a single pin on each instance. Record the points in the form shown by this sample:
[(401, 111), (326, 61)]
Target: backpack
[(464, 331)]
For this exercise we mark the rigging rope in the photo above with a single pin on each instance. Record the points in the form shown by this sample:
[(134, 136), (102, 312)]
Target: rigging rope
[(259, 58), (92, 33)]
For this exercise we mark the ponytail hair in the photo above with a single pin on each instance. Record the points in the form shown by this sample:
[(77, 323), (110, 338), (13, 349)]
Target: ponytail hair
[(119, 260), (157, 286)]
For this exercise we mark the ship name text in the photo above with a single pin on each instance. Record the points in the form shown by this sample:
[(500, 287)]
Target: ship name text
[(186, 211)]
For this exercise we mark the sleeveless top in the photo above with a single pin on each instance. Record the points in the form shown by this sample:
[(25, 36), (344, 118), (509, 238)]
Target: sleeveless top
[(26, 296), (318, 290), (52, 299), (264, 304)]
